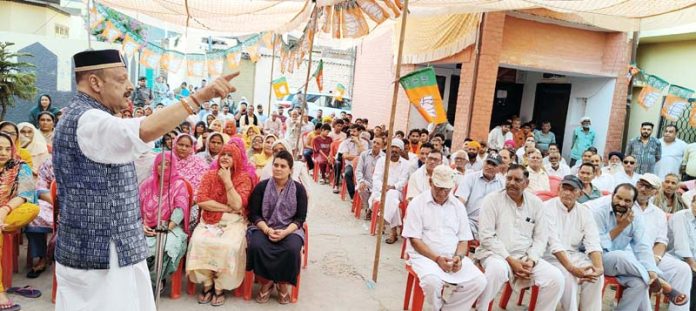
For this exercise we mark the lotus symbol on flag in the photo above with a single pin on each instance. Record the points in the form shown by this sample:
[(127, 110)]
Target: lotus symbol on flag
[(428, 105)]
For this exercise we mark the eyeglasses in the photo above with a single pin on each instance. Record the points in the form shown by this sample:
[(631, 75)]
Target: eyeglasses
[(629, 162)]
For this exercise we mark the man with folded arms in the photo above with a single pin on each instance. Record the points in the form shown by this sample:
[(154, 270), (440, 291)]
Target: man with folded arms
[(513, 235), (574, 247), (438, 229)]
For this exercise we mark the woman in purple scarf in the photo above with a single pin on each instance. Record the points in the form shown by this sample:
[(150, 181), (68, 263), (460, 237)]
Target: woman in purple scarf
[(277, 211)]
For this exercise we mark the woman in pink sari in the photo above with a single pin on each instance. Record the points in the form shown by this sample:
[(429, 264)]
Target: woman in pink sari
[(190, 166), (175, 211)]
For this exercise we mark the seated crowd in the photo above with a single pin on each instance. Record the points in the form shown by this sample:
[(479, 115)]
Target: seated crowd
[(234, 200)]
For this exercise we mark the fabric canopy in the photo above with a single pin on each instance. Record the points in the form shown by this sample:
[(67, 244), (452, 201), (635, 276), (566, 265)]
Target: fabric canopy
[(236, 17), (428, 39)]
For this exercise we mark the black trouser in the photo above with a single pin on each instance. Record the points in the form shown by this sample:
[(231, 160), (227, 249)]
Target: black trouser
[(308, 158), (338, 165), (350, 182)]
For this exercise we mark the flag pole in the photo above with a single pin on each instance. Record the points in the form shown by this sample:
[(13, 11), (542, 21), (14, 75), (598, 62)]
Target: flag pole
[(385, 176), (296, 149), (270, 89)]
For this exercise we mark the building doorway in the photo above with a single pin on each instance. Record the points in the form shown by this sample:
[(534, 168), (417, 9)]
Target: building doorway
[(551, 104), (507, 102)]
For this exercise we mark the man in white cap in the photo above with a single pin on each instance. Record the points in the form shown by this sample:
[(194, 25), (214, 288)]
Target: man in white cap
[(396, 181), (674, 271), (574, 247), (449, 279), (513, 232), (583, 138)]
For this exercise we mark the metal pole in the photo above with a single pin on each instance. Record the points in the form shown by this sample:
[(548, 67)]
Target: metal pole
[(161, 231), (270, 89), (306, 85), (385, 177)]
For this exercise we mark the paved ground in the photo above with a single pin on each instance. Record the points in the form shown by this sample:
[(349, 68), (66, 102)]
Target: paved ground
[(340, 263)]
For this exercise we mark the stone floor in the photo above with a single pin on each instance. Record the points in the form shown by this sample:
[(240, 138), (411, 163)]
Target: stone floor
[(337, 277)]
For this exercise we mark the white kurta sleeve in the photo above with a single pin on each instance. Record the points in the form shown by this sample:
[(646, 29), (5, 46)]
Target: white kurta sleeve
[(487, 227), (661, 236), (403, 175), (107, 139), (377, 176), (413, 223), (555, 244), (591, 240)]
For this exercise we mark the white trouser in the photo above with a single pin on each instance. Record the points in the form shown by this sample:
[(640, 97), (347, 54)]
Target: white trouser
[(544, 275), (464, 295), (629, 272), (392, 213), (590, 292), (678, 274)]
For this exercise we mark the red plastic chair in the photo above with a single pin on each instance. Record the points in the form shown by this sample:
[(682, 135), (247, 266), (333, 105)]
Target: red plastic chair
[(554, 182), (612, 281), (413, 289), (248, 283), (373, 219), (9, 257), (357, 205), (177, 275), (546, 195), (507, 292)]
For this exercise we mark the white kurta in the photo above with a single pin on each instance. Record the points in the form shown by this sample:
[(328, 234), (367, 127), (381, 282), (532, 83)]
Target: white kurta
[(671, 158), (398, 177), (604, 182), (441, 228), (561, 172), (418, 183), (117, 288)]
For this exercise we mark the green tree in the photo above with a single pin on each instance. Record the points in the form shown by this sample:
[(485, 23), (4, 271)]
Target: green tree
[(15, 79)]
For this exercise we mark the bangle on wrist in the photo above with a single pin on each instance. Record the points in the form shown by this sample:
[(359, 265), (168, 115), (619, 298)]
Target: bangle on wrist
[(186, 106)]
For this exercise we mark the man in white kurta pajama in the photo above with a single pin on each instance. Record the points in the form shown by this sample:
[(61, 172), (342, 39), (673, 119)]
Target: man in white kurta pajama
[(574, 247), (438, 229), (398, 177), (513, 237)]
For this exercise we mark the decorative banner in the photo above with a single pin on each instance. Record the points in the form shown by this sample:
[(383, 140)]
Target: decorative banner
[(171, 61), (281, 87), (674, 107), (692, 115), (319, 75), (215, 64), (423, 93), (150, 58), (253, 52), (129, 45), (95, 18), (195, 65), (267, 40), (340, 91), (373, 10), (651, 94), (632, 71), (233, 60), (354, 23), (111, 33)]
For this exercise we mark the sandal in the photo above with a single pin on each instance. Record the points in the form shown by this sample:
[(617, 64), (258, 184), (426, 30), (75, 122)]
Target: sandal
[(10, 306), (35, 273), (207, 296), (283, 299), (392, 239), (216, 302), (26, 291), (676, 297), (263, 297)]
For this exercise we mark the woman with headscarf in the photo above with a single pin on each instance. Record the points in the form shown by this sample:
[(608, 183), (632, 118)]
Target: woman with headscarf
[(47, 124), (230, 128), (249, 133), (147, 111), (17, 200), (260, 160), (216, 256), (212, 147), (11, 129), (246, 165), (256, 146), (175, 211), (190, 167), (34, 142), (299, 171), (37, 231), (45, 103), (277, 212), (218, 126), (209, 120)]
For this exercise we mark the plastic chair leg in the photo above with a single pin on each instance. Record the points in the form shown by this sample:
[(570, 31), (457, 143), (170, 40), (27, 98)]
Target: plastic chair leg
[(373, 221), (507, 292), (344, 190), (15, 254), (7, 259), (409, 290), (305, 248), (248, 284), (176, 281), (295, 291), (533, 299), (521, 297), (403, 249)]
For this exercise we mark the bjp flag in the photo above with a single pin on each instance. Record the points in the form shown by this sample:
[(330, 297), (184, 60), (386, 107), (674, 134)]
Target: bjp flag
[(423, 93)]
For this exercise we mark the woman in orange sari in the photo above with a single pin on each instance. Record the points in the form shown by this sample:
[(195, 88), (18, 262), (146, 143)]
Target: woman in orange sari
[(217, 251)]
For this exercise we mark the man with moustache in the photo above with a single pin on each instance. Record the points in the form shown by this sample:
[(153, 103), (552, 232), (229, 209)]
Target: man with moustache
[(646, 149), (101, 249), (513, 235), (396, 181), (476, 186)]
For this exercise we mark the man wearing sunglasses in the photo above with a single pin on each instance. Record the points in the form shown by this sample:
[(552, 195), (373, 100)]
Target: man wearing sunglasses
[(629, 174)]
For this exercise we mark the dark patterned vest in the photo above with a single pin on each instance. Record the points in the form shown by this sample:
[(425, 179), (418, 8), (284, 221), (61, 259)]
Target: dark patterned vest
[(98, 202)]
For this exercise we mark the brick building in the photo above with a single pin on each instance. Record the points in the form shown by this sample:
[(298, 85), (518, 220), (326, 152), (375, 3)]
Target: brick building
[(531, 64)]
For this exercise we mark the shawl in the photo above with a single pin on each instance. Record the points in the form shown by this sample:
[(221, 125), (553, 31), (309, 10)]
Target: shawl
[(212, 188), (24, 154), (232, 126), (36, 146), (192, 167), (250, 149), (278, 209), (175, 194), (205, 154), (660, 200), (245, 160), (248, 137)]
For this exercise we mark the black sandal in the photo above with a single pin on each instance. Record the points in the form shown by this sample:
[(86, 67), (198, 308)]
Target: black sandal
[(207, 296), (217, 302)]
